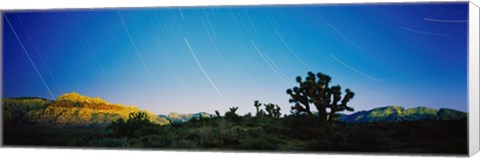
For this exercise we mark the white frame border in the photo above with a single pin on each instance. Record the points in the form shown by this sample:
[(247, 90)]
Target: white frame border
[(473, 79), (473, 61)]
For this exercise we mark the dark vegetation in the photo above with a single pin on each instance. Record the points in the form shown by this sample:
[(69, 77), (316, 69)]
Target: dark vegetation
[(301, 131), (291, 133)]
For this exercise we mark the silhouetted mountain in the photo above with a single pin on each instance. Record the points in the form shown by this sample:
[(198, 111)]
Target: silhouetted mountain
[(68, 110), (449, 114), (176, 117), (399, 114)]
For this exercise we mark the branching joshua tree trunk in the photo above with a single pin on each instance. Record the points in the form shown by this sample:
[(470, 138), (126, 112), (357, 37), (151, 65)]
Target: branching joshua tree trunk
[(315, 90)]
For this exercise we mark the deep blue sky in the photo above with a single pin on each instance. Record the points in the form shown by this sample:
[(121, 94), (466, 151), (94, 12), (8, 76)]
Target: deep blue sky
[(196, 59)]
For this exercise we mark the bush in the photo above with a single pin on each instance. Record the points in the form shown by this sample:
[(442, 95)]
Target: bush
[(138, 124), (208, 137), (183, 144), (110, 142), (231, 115)]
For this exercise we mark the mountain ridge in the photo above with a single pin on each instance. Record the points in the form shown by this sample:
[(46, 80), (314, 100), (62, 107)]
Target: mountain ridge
[(395, 113), (73, 109), (68, 110), (178, 117)]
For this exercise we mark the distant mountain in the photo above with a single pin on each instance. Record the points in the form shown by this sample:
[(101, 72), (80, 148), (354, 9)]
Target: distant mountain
[(176, 117), (400, 114), (449, 114), (15, 110), (73, 109), (68, 110)]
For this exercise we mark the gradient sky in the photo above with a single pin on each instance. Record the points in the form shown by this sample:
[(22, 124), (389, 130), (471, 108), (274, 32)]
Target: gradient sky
[(194, 59)]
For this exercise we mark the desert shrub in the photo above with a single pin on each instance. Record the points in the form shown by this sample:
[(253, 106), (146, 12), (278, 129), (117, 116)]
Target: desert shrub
[(248, 115), (138, 124), (356, 141), (151, 141), (303, 127), (231, 115), (258, 139), (183, 144), (209, 137), (176, 125), (110, 142), (258, 144)]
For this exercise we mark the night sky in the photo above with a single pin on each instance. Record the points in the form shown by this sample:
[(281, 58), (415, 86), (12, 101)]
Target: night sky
[(194, 59)]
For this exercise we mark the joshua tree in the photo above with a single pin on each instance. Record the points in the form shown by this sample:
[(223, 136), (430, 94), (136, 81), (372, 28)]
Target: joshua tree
[(315, 90), (231, 114), (257, 105), (273, 110)]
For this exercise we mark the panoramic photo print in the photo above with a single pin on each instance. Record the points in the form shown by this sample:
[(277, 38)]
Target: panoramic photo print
[(377, 78)]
